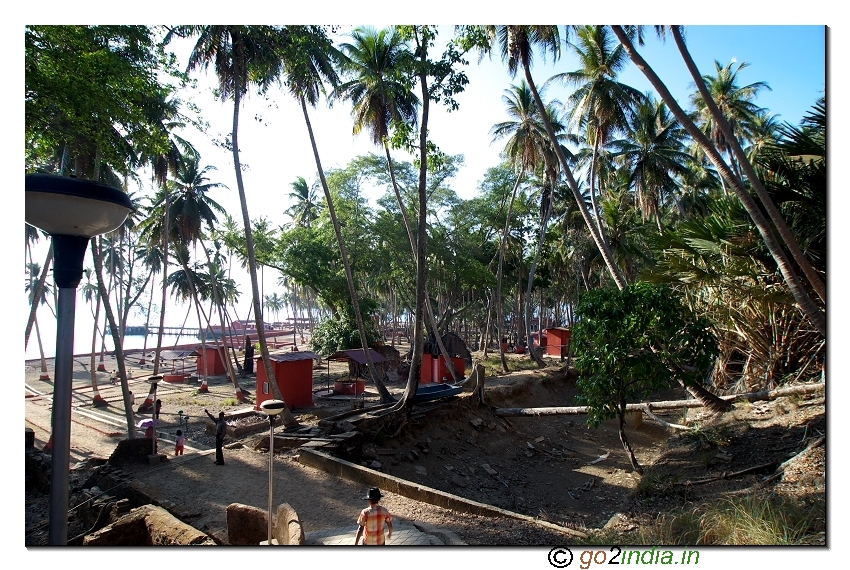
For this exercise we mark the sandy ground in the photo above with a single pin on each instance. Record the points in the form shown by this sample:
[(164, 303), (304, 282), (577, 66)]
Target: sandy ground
[(200, 490)]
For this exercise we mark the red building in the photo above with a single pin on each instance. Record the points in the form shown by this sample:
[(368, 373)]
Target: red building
[(558, 341), (294, 374), (211, 357)]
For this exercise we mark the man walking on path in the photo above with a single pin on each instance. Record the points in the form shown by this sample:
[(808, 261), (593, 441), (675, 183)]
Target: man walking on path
[(372, 520), (220, 430)]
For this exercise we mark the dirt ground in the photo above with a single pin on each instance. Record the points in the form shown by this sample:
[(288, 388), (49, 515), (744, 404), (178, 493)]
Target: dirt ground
[(553, 468)]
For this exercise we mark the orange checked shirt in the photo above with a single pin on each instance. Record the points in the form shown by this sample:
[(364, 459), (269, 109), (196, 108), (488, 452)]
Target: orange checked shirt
[(372, 520)]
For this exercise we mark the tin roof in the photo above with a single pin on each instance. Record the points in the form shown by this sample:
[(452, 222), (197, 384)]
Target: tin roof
[(357, 355), (291, 356), (176, 354)]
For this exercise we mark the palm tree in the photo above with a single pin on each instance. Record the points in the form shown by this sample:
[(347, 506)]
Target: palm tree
[(516, 44), (307, 61), (812, 311), (191, 210), (33, 273), (381, 97), (275, 303), (305, 208), (654, 153), (242, 56), (601, 106), (526, 149), (735, 102)]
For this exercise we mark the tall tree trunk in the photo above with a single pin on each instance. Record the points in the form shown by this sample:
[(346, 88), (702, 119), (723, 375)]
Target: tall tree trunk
[(815, 315), (532, 272), (598, 238), (218, 303), (430, 312), (288, 418), (116, 339), (166, 232), (775, 216), (93, 355), (500, 317), (386, 397)]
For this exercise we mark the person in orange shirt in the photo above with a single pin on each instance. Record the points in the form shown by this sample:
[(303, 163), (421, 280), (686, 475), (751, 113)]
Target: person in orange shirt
[(372, 520)]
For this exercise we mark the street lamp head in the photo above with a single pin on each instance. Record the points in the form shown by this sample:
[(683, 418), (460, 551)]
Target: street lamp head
[(273, 407), (68, 206)]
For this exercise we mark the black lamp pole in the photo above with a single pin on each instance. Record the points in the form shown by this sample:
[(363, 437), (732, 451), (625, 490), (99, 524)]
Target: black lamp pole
[(72, 211)]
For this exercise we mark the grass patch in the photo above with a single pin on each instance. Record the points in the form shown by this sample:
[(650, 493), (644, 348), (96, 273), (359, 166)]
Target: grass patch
[(706, 437), (749, 520)]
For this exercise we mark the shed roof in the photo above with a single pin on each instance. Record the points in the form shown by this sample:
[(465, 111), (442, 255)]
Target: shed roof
[(291, 356), (176, 354), (357, 355)]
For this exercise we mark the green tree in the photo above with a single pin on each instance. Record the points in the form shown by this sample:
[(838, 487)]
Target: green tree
[(600, 106), (629, 343), (306, 59), (516, 45), (813, 312)]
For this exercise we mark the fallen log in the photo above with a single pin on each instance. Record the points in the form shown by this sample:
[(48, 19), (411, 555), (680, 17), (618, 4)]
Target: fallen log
[(666, 405)]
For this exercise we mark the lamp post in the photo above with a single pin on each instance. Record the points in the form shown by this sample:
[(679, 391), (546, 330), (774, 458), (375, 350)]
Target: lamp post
[(72, 211), (272, 408)]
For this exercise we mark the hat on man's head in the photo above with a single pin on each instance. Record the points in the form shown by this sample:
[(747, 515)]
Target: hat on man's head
[(374, 494)]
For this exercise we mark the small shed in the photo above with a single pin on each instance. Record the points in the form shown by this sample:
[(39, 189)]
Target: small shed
[(558, 341), (357, 362), (212, 357), (293, 371)]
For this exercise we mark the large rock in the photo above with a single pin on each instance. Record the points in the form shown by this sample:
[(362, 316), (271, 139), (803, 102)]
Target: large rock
[(148, 526), (287, 527), (246, 525)]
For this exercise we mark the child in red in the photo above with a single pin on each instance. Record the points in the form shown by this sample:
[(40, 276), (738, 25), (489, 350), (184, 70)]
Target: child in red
[(372, 520), (178, 444)]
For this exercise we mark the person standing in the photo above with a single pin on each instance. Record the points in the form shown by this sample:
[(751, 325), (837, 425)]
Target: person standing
[(220, 430), (372, 520), (249, 356), (179, 443)]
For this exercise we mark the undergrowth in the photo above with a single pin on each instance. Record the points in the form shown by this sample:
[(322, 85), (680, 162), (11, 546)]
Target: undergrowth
[(745, 521)]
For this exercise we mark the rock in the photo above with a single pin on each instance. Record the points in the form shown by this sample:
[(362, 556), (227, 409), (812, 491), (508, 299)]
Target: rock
[(459, 480), (420, 470), (246, 525), (148, 525), (489, 470), (413, 455), (476, 423), (376, 465), (288, 530)]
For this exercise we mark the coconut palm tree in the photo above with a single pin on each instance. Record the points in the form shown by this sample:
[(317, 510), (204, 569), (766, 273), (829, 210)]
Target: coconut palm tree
[(601, 105), (33, 273), (526, 149), (813, 312), (242, 56), (656, 157), (381, 96), (516, 45), (307, 57), (306, 207)]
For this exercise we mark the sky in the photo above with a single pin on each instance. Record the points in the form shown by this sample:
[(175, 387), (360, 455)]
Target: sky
[(276, 149)]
